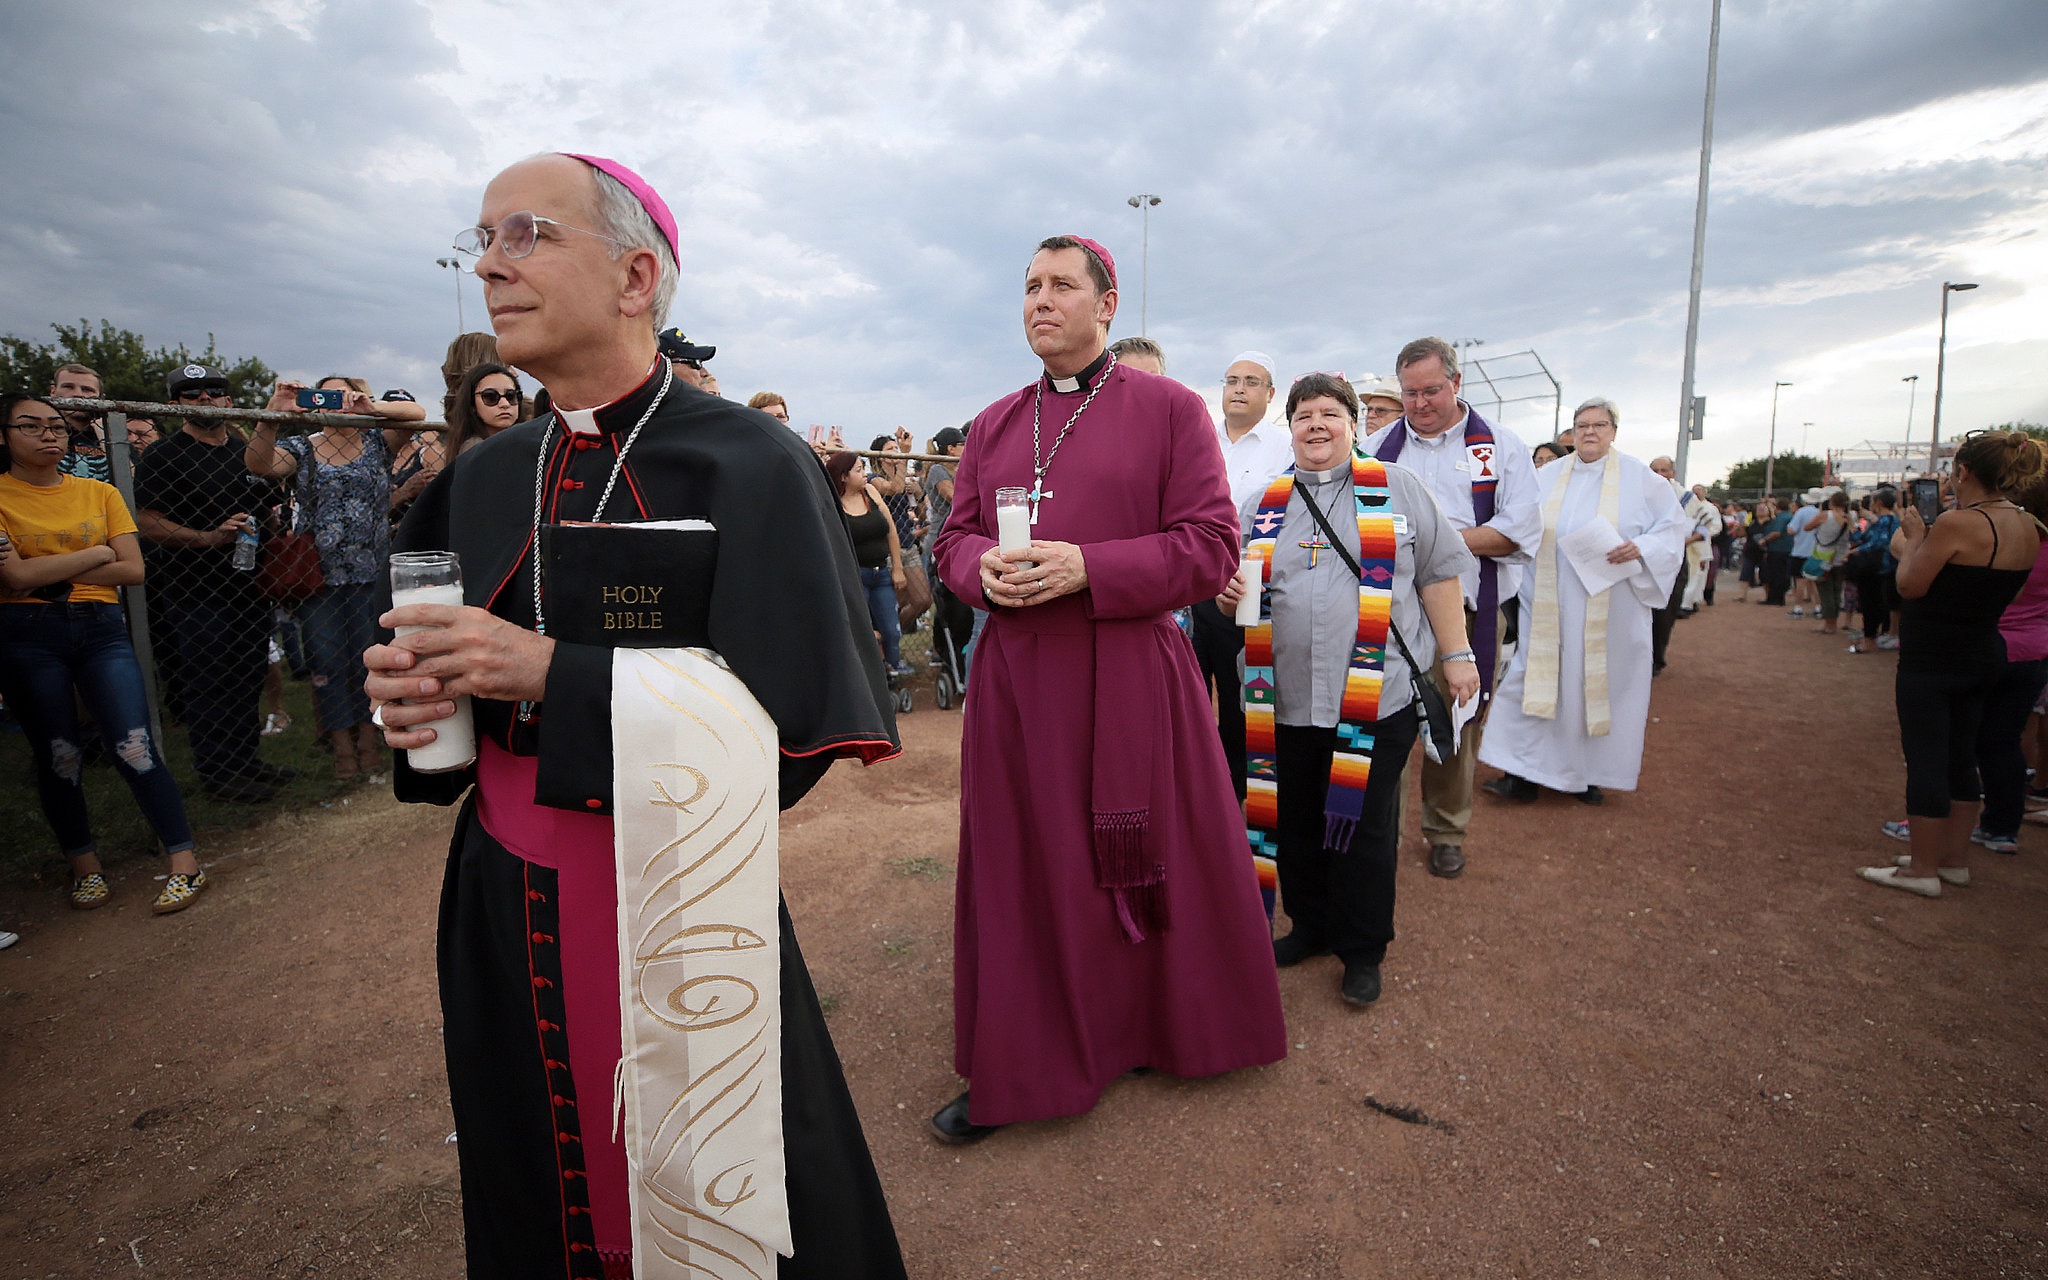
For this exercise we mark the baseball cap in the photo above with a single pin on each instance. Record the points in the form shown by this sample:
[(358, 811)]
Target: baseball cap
[(947, 437), (191, 377), (675, 346)]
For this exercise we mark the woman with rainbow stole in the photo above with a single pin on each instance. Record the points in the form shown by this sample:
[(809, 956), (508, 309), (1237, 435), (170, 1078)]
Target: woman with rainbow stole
[(1329, 703)]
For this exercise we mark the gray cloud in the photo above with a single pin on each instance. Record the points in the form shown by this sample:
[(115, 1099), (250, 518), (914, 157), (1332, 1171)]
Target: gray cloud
[(859, 185)]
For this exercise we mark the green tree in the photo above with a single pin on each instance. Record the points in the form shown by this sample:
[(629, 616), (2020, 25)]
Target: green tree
[(129, 369), (1794, 472)]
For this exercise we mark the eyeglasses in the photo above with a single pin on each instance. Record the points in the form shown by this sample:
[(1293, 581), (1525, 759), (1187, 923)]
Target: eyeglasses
[(1424, 393), (491, 396), (41, 428), (1249, 384), (517, 235)]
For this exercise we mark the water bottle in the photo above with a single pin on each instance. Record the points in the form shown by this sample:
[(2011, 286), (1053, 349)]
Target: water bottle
[(246, 544)]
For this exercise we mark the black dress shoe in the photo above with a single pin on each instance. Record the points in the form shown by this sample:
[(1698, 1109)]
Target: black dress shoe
[(1591, 795), (1509, 787), (1294, 948), (1361, 983), (1446, 860), (951, 1124)]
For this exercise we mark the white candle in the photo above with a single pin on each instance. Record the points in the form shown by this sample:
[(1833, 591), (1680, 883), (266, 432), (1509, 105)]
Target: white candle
[(454, 744), (1013, 528), (1249, 571)]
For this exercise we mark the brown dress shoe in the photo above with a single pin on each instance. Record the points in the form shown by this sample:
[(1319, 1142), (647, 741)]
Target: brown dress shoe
[(1446, 860)]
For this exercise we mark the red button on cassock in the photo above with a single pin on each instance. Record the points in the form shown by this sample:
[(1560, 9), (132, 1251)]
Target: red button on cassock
[(571, 484)]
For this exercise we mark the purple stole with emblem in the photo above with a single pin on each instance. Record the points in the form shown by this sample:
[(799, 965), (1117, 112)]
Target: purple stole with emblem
[(1486, 476)]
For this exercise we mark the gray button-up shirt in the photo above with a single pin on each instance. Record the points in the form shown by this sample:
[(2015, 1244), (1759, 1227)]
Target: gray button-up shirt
[(1445, 465), (1315, 608)]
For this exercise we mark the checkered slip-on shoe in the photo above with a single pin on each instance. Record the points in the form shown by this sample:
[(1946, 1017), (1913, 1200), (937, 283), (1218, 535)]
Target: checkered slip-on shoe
[(179, 893), (90, 891)]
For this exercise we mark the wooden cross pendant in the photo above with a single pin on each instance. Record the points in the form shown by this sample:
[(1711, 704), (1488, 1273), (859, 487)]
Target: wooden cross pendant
[(1038, 491), (1314, 546)]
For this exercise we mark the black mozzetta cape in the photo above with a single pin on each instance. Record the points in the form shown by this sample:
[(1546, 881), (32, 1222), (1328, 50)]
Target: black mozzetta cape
[(786, 611)]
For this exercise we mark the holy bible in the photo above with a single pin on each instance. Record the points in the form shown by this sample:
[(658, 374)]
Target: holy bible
[(634, 585)]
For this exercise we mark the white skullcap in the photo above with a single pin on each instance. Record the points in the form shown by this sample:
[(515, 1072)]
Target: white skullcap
[(1260, 359)]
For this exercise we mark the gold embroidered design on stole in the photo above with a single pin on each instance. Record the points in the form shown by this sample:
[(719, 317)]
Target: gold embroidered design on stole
[(696, 773)]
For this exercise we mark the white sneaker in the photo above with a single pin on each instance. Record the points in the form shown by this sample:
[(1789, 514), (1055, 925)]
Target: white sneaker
[(1958, 876), (8, 939), (1887, 642), (1796, 612), (1888, 876)]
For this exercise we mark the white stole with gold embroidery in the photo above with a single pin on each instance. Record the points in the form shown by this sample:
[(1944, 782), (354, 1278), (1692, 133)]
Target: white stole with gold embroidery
[(1539, 690), (695, 767)]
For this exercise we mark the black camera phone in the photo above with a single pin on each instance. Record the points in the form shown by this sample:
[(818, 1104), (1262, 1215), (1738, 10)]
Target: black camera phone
[(1927, 497), (311, 398)]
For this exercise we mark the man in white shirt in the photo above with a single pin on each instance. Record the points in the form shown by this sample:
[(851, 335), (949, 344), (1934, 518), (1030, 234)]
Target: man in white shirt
[(1484, 479), (1254, 451)]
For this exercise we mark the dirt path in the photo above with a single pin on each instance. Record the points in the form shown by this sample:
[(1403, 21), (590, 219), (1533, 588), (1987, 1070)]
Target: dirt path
[(1671, 1036)]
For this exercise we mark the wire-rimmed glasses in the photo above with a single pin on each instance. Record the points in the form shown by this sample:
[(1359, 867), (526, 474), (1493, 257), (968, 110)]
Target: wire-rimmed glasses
[(516, 234)]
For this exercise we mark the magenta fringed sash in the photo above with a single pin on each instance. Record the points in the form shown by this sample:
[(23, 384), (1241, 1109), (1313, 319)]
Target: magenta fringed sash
[(1129, 720)]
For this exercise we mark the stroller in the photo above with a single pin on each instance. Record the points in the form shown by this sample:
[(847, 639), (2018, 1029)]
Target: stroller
[(952, 621)]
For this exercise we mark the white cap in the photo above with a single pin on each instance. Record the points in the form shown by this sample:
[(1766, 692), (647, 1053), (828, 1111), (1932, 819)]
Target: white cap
[(1260, 359)]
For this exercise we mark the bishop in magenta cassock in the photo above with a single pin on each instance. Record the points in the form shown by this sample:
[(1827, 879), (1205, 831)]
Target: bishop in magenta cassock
[(1107, 917)]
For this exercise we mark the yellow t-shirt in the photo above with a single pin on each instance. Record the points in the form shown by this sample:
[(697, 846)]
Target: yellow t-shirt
[(71, 515)]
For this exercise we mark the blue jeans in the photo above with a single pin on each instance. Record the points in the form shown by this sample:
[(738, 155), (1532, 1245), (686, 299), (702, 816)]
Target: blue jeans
[(53, 654), (880, 587), (340, 622)]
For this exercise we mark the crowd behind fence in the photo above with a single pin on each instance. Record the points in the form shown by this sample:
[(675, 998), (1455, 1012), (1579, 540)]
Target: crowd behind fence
[(255, 606)]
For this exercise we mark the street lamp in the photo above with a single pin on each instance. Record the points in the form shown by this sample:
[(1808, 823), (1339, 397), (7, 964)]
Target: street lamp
[(461, 325), (1144, 204), (1771, 462), (1940, 365), (1912, 394), (1804, 427)]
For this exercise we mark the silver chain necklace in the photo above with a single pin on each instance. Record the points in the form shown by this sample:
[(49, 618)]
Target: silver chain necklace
[(540, 491), (1039, 468)]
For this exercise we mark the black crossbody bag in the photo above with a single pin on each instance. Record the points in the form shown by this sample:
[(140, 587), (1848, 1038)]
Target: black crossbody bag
[(1441, 738)]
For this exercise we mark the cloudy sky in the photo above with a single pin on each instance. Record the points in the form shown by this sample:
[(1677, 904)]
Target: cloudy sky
[(859, 186)]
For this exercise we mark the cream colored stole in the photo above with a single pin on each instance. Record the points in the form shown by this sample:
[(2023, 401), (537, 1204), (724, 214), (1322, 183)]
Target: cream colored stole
[(695, 769), (1539, 682)]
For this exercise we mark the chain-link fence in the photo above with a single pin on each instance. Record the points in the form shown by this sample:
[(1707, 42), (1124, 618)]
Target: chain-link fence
[(264, 535)]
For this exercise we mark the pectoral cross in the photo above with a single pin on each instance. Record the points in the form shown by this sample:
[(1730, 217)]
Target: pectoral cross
[(1038, 490), (1314, 546)]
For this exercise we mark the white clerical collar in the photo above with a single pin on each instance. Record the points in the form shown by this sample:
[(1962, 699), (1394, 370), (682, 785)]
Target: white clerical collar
[(1430, 442), (583, 422), (1342, 470), (1067, 386)]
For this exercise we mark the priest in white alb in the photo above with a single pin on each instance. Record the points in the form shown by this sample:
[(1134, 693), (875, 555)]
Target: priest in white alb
[(1570, 714)]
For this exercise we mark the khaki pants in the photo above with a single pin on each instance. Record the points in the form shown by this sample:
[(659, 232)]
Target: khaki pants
[(1447, 788)]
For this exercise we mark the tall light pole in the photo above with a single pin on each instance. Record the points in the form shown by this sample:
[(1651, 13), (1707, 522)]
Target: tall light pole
[(1940, 365), (1144, 204), (1771, 462), (1699, 255), (1912, 394), (461, 325), (1804, 427)]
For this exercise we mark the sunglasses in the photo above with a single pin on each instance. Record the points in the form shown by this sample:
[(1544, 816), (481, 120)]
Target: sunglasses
[(200, 393), (491, 396)]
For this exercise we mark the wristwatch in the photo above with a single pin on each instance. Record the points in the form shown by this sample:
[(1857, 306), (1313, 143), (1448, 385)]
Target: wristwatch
[(1462, 655)]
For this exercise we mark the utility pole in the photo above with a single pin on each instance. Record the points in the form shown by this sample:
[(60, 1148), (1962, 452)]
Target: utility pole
[(1771, 462), (1699, 254), (1940, 366), (1912, 394), (1144, 204)]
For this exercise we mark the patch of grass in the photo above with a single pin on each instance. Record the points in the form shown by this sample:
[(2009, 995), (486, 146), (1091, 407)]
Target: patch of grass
[(897, 948), (924, 868), (828, 1003), (28, 849)]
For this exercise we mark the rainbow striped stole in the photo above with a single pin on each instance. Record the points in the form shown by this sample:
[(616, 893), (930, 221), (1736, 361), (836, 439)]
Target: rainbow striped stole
[(1351, 764)]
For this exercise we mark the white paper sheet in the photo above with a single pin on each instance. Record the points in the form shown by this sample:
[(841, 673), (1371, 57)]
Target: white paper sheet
[(1586, 548)]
